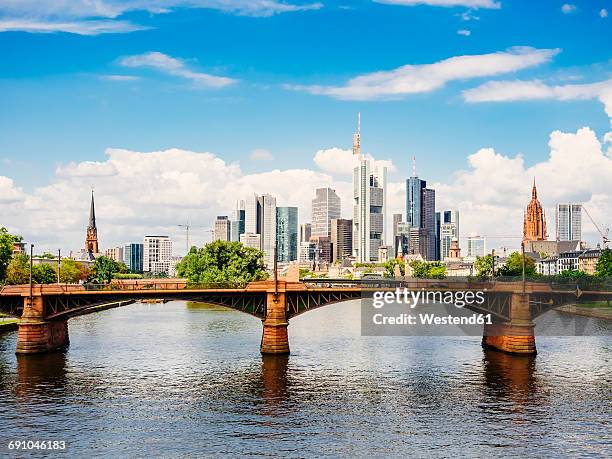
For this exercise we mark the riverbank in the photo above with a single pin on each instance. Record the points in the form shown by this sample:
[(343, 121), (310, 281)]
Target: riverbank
[(595, 311), (8, 323), (103, 307)]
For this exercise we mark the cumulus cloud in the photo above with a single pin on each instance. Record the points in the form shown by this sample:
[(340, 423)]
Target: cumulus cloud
[(464, 32), (447, 3), (9, 193), (87, 17), (338, 161), (568, 8), (176, 67), (603, 13), (261, 154), (412, 79)]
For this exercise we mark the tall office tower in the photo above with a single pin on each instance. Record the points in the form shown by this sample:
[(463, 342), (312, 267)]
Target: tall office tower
[(341, 238), (157, 254), (325, 207), (449, 229), (222, 228), (421, 213), (369, 195), (418, 241), (237, 224), (133, 257), (287, 233), (322, 251), (569, 222), (397, 219), (403, 238), (534, 222), (305, 232), (438, 236), (252, 212), (114, 253), (267, 225), (476, 246)]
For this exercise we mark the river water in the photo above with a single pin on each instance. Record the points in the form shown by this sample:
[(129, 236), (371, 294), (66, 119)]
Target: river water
[(183, 379)]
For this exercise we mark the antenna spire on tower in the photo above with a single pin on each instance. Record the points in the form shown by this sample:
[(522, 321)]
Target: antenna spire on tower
[(414, 174), (357, 136)]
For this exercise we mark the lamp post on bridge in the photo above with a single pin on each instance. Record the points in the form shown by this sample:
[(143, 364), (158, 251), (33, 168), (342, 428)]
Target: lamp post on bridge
[(59, 260), (31, 258)]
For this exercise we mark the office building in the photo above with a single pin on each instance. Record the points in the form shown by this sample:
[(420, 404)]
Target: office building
[(397, 219), (222, 229), (569, 222), (252, 214), (476, 246), (369, 195), (114, 253), (325, 207), (305, 232), (449, 229), (287, 233), (322, 251), (260, 219), (157, 254), (341, 238), (306, 252), (421, 214), (133, 257), (251, 240), (237, 225)]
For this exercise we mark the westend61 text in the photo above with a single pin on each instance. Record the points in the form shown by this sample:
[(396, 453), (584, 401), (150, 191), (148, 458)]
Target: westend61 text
[(431, 319), (412, 297)]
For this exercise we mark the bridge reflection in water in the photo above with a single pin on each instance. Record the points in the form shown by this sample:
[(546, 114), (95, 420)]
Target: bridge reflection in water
[(44, 310)]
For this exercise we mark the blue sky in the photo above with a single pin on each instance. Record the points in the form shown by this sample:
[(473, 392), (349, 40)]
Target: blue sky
[(235, 76)]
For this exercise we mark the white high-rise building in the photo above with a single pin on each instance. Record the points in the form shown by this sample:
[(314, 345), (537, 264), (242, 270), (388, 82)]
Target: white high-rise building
[(369, 195), (476, 246), (114, 253), (251, 214), (449, 229), (157, 254), (569, 222), (222, 228), (268, 227), (325, 207)]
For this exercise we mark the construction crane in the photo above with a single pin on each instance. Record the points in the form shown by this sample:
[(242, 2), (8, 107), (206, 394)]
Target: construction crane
[(604, 235), (187, 227)]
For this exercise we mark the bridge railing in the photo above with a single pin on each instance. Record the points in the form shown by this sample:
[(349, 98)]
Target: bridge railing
[(145, 286)]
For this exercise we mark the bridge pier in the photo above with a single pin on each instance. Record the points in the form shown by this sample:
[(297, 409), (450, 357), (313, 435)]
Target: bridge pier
[(37, 335), (515, 336), (275, 339)]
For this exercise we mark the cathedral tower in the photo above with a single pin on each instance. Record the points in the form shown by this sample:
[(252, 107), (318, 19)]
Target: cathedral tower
[(91, 241), (534, 223)]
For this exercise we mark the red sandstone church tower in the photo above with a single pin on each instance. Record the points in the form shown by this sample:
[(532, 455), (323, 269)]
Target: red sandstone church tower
[(534, 223), (91, 241)]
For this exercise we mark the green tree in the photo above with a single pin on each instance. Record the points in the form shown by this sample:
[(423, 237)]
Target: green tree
[(44, 274), (103, 269), (6, 250), (221, 262), (18, 270), (484, 266), (604, 264), (390, 267), (428, 270), (514, 266), (71, 272)]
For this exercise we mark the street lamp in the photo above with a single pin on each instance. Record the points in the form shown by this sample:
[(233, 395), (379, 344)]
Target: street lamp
[(31, 255)]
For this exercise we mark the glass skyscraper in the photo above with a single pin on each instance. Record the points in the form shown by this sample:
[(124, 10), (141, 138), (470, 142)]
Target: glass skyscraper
[(287, 233), (133, 256)]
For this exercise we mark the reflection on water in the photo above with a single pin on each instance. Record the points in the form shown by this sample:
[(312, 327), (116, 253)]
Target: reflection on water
[(177, 379)]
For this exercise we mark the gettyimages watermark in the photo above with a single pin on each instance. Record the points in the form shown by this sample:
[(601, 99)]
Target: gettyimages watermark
[(430, 312)]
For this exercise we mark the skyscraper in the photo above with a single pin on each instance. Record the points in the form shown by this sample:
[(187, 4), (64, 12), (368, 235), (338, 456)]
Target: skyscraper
[(133, 257), (267, 225), (369, 188), (534, 223), (287, 233), (421, 214), (252, 211), (238, 223), (222, 228), (397, 219), (157, 254), (476, 246), (449, 229), (325, 207), (569, 222), (305, 232), (341, 238)]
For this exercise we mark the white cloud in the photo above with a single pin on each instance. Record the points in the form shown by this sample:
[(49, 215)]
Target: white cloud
[(603, 13), (119, 77), (338, 161), (176, 67), (505, 91), (411, 79), (261, 154), (9, 193), (464, 32), (568, 8), (93, 17), (446, 3)]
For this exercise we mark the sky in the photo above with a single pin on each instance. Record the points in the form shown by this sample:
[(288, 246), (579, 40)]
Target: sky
[(173, 109)]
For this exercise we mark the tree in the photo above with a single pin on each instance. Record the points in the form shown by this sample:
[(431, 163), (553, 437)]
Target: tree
[(71, 272), (604, 264), (390, 267), (514, 266), (221, 262), (6, 250), (428, 270), (18, 270), (43, 274), (103, 269), (484, 266)]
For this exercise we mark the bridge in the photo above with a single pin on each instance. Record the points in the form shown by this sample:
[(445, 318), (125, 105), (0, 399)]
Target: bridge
[(44, 310)]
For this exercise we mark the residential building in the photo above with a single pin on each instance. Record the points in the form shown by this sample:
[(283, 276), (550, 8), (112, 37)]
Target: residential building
[(369, 196), (305, 232), (587, 261), (534, 222), (287, 233), (133, 257), (568, 222), (325, 207), (568, 261), (341, 238), (476, 246), (222, 230), (547, 266), (157, 254), (114, 253)]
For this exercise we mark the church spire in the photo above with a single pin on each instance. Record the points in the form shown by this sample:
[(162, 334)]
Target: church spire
[(534, 191), (91, 240), (92, 212)]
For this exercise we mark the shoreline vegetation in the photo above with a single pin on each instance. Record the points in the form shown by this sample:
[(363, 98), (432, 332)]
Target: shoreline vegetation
[(597, 310)]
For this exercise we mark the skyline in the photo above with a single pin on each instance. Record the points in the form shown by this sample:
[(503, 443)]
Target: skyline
[(92, 109)]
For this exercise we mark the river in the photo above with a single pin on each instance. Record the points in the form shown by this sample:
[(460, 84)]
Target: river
[(181, 379)]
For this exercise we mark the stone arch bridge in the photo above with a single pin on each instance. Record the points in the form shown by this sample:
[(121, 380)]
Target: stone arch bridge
[(44, 310)]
